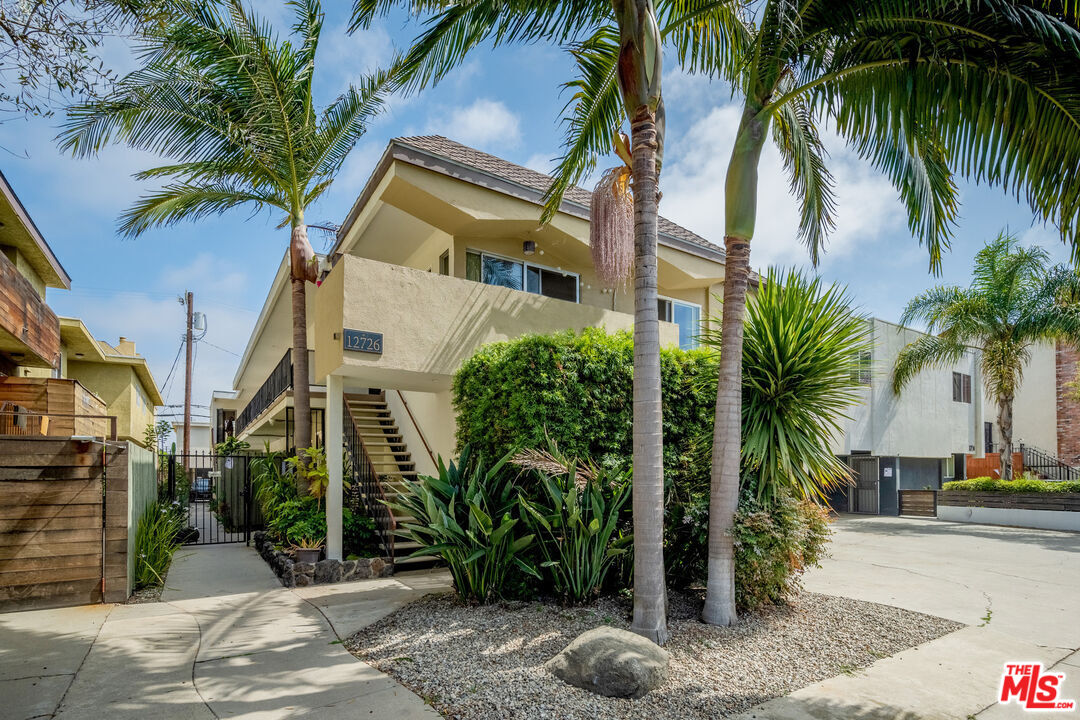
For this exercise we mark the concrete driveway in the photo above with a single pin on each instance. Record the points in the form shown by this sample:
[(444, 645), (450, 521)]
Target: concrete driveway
[(1017, 590)]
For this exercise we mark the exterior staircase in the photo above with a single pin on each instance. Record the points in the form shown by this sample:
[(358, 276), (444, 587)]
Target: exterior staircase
[(381, 462), (1046, 465)]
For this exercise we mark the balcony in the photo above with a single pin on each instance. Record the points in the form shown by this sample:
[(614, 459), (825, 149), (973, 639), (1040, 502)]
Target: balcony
[(431, 323), (276, 386), (29, 329)]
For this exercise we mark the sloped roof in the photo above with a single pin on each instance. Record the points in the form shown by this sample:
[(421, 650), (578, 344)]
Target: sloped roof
[(514, 173)]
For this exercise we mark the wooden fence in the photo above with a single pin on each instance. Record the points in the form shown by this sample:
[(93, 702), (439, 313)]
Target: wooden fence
[(63, 522), (918, 503), (1011, 501), (990, 466)]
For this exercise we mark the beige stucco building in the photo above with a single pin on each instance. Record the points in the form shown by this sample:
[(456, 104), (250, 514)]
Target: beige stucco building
[(442, 253)]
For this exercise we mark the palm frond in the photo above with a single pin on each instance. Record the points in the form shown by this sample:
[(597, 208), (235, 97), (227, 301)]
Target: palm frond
[(927, 352), (179, 202)]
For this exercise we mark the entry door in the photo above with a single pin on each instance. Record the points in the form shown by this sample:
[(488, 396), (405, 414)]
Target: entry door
[(865, 493)]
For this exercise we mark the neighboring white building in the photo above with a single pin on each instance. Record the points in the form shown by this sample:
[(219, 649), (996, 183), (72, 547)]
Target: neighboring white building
[(201, 441), (926, 435)]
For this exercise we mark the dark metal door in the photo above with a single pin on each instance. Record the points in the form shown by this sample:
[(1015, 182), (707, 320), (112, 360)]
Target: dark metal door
[(865, 494), (217, 492)]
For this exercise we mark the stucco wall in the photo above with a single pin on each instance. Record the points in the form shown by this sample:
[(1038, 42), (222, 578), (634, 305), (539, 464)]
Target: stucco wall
[(923, 421), (1035, 408), (431, 323), (115, 384)]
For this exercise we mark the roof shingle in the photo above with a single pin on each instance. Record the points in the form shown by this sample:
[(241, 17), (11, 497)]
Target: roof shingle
[(506, 170)]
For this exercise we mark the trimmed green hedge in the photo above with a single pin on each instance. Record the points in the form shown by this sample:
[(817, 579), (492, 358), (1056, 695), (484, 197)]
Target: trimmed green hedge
[(988, 484), (577, 390)]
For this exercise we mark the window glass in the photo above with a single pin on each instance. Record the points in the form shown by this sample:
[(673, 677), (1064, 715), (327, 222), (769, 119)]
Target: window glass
[(961, 387), (504, 273), (444, 263), (664, 310), (472, 266), (532, 280), (688, 318), (556, 285)]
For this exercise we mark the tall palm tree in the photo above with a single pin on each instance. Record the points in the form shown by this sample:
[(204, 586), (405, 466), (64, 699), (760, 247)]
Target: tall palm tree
[(627, 38), (230, 104), (1015, 300), (917, 88)]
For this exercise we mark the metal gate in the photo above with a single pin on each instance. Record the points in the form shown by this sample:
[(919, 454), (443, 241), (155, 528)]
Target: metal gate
[(865, 496), (217, 492)]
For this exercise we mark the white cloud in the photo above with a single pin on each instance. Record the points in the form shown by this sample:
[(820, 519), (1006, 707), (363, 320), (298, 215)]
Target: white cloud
[(155, 321), (693, 185), (541, 162), (484, 124)]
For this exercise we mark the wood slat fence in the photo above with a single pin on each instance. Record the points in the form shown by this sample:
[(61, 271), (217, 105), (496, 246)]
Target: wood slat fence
[(64, 518), (918, 503)]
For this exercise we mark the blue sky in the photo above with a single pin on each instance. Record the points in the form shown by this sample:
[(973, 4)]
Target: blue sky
[(506, 102)]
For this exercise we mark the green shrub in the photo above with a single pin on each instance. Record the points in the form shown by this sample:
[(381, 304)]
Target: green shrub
[(774, 544), (156, 539), (464, 516), (575, 517), (576, 390), (1023, 485)]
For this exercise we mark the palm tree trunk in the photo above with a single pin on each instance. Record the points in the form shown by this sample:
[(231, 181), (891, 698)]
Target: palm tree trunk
[(650, 586), (301, 259), (1005, 424), (740, 215)]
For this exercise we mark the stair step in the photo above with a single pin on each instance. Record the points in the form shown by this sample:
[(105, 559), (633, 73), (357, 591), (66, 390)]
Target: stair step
[(376, 425), (370, 403), (380, 436)]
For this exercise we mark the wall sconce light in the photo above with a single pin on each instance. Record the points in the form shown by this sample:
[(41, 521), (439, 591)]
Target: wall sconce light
[(79, 355), (528, 247)]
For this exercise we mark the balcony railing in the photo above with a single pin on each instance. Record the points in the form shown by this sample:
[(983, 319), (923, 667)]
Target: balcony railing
[(279, 381)]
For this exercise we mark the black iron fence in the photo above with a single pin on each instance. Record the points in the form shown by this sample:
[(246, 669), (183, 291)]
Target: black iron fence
[(366, 490), (216, 489), (1047, 465)]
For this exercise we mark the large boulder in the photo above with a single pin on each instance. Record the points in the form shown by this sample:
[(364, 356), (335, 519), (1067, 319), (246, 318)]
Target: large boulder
[(611, 662)]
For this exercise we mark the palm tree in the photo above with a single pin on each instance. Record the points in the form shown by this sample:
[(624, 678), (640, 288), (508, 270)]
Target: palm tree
[(1015, 300), (626, 37), (917, 88), (231, 105)]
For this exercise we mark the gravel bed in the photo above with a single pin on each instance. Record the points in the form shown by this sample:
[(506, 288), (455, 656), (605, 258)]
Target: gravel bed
[(150, 594), (476, 663)]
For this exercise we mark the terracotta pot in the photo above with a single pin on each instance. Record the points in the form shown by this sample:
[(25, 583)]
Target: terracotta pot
[(308, 555)]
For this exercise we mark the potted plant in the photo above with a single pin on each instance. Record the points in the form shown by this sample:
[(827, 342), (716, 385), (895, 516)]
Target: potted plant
[(308, 550)]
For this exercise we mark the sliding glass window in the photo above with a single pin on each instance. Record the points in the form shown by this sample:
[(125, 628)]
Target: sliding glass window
[(686, 315), (516, 275)]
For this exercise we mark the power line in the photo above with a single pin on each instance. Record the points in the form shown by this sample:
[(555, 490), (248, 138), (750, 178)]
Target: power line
[(217, 347), (165, 385)]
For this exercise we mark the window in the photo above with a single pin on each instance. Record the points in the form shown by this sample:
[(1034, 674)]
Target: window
[(862, 371), (686, 315), (948, 467), (444, 263), (961, 387), (517, 275)]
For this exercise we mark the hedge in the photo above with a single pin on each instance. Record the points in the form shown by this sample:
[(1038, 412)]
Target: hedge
[(988, 484), (578, 390)]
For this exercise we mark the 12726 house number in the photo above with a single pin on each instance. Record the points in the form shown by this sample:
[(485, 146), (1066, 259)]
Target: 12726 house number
[(363, 341)]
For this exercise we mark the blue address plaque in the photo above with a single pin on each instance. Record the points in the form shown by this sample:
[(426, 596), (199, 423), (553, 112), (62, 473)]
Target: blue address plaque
[(363, 341)]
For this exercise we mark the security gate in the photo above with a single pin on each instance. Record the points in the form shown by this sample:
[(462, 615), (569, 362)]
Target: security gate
[(865, 495), (217, 492)]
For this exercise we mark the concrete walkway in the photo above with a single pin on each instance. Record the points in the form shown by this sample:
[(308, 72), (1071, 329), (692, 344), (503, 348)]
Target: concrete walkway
[(227, 641), (1017, 590)]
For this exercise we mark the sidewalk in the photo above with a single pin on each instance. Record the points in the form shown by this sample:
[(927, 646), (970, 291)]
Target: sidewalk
[(227, 641)]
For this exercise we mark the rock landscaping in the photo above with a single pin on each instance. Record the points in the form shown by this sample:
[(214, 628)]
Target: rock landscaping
[(294, 574), (488, 662), (611, 662)]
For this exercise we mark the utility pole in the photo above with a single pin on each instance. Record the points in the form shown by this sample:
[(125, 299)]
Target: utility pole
[(187, 379)]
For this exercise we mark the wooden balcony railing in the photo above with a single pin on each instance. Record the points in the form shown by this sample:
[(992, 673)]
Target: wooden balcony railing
[(26, 318), (31, 424)]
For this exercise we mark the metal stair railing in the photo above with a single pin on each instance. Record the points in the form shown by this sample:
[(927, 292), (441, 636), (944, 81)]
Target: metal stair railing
[(1047, 464), (368, 482)]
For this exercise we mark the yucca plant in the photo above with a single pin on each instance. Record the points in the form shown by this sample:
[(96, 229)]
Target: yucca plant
[(801, 342), (575, 516), (465, 517)]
